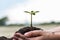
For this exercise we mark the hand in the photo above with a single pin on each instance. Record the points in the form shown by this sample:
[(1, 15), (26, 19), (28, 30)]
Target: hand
[(42, 35), (32, 35), (35, 33), (19, 36)]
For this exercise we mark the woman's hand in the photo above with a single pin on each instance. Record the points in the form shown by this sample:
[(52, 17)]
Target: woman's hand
[(32, 35), (19, 36), (43, 35), (35, 33)]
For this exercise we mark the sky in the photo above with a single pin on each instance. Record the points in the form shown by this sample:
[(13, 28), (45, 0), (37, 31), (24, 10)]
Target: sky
[(49, 10)]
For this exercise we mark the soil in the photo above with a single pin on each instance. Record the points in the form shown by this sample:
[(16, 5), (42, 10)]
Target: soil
[(27, 29), (22, 31), (5, 38)]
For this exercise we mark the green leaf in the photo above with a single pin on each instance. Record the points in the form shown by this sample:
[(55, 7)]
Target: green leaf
[(33, 13), (36, 11), (26, 11)]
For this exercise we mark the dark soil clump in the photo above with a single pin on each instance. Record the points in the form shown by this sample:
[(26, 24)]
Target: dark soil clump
[(5, 38), (27, 29)]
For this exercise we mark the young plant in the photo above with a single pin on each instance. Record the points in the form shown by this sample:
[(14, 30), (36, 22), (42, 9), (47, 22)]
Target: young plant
[(32, 13)]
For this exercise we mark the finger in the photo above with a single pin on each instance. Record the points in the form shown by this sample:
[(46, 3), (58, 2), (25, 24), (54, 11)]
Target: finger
[(34, 33), (15, 38), (18, 35)]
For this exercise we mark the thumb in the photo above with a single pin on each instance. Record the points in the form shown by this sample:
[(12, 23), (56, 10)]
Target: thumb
[(34, 33)]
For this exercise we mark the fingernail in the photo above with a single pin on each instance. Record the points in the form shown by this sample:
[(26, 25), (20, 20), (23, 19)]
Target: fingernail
[(13, 39), (26, 34)]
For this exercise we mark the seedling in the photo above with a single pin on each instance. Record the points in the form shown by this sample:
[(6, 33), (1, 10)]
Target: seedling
[(32, 13)]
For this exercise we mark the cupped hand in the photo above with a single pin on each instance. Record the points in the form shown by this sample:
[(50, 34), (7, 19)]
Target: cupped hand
[(35, 33), (19, 36), (32, 35)]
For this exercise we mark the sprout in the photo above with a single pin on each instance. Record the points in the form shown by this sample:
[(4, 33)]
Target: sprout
[(32, 13)]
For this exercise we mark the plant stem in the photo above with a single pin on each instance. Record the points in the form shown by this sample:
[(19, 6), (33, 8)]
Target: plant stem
[(31, 20)]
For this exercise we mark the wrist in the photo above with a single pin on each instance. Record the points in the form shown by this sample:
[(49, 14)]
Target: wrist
[(49, 34)]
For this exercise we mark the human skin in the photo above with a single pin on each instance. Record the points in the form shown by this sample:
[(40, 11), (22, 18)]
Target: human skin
[(44, 35), (41, 35), (24, 38)]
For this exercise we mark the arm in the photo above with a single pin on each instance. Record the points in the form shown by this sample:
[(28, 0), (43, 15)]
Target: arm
[(51, 36)]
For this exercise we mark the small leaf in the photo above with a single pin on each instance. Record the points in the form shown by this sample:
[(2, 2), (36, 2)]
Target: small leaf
[(26, 11), (33, 13), (36, 11)]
